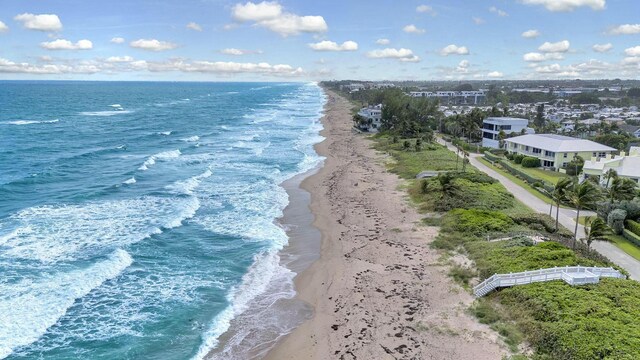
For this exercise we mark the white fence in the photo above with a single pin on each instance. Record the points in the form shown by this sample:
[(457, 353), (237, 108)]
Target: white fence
[(572, 275)]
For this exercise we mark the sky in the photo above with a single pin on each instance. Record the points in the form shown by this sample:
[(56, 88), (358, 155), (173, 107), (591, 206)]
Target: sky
[(287, 40)]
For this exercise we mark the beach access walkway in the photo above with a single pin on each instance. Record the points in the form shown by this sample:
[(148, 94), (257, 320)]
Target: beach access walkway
[(566, 217), (572, 275)]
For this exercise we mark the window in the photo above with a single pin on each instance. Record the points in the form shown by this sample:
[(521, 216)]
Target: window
[(547, 163), (549, 153), (487, 135), (565, 155), (564, 165), (506, 127), (594, 154), (526, 148), (602, 154), (536, 151)]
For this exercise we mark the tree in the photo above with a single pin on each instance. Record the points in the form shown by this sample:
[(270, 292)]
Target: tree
[(559, 195), (448, 187), (539, 121), (581, 196), (501, 136), (595, 229), (621, 189), (610, 174)]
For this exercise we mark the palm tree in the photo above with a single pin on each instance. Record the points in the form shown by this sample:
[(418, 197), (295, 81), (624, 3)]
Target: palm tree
[(595, 229), (581, 196), (447, 186), (610, 174), (622, 189), (559, 195)]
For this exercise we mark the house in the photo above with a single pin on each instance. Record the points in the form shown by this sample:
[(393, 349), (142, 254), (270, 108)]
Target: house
[(625, 166), (631, 129), (492, 126), (373, 116), (556, 151)]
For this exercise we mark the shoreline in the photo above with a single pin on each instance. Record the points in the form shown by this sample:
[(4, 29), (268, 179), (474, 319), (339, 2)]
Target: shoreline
[(377, 289)]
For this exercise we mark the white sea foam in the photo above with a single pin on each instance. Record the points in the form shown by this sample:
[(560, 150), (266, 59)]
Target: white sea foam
[(116, 106), (165, 133), (191, 138), (265, 271), (51, 234), (29, 307), (130, 181), (162, 156), (105, 113), (29, 122), (189, 185)]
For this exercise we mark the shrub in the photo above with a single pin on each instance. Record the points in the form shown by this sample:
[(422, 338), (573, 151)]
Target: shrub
[(629, 235), (477, 222), (547, 222), (462, 274), (530, 162), (633, 226), (615, 220), (518, 158)]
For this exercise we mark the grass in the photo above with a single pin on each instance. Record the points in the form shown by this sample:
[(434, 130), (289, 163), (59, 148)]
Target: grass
[(625, 245), (409, 163), (523, 184), (552, 177)]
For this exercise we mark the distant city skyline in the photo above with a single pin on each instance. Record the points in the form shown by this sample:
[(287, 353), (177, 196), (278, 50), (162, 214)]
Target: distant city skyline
[(218, 40)]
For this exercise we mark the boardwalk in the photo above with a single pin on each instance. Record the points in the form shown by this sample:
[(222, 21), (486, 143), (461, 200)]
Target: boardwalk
[(572, 275)]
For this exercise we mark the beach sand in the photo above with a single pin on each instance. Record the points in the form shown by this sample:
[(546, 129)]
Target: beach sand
[(378, 290)]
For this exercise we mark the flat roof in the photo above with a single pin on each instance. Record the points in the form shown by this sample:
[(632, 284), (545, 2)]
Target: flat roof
[(505, 120), (559, 143)]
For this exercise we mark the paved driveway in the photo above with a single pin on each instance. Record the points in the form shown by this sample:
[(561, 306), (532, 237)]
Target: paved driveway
[(566, 218)]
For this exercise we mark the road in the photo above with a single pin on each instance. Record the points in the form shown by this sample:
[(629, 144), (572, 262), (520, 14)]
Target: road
[(566, 218)]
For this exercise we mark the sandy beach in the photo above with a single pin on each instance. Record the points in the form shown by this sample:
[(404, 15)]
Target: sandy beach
[(378, 291)]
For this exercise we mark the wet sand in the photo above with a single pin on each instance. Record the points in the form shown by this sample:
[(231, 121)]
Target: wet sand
[(378, 291)]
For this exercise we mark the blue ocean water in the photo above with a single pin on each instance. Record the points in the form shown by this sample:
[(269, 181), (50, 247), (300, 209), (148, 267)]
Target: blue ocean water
[(138, 219)]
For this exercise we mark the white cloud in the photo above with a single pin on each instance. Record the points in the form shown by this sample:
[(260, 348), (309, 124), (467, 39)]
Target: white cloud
[(495, 10), (426, 9), (478, 20), (152, 45), (602, 48), (412, 29), (454, 50), (463, 66), (119, 59), (3, 27), (633, 51), (239, 52), (333, 46), (265, 10), (7, 66), (626, 29), (402, 54), (194, 26), (42, 22), (557, 47), (567, 5), (538, 57), (117, 40), (531, 34), (495, 74), (383, 41), (270, 15), (107, 66), (62, 44)]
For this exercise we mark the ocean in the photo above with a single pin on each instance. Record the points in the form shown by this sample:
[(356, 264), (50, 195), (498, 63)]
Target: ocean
[(138, 220)]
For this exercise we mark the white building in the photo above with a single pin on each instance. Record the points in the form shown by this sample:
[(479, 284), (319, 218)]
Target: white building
[(556, 151), (492, 126), (626, 166), (454, 97), (373, 116)]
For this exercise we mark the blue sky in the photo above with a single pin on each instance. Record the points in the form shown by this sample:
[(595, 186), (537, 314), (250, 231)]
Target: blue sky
[(220, 40)]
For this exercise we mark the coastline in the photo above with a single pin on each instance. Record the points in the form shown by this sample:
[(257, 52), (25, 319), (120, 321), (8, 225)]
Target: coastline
[(377, 290)]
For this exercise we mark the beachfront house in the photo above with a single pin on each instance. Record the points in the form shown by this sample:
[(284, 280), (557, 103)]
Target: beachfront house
[(556, 151), (627, 166), (492, 126), (372, 117)]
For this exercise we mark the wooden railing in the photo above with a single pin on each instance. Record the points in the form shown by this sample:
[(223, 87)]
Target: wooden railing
[(573, 275)]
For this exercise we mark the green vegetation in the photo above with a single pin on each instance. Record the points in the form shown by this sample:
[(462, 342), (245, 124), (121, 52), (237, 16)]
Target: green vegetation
[(625, 245), (408, 163), (530, 162), (525, 185), (558, 321)]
